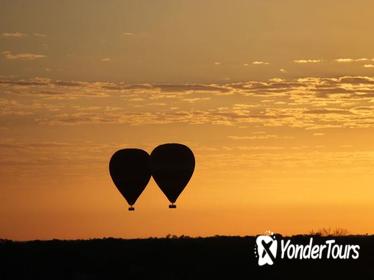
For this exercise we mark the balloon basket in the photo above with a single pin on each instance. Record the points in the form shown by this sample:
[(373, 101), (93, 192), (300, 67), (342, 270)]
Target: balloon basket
[(172, 206), (131, 208)]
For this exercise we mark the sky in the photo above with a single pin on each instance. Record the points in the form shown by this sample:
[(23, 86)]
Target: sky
[(275, 99)]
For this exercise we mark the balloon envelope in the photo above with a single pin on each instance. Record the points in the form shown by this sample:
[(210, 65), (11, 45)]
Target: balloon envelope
[(130, 172), (172, 166)]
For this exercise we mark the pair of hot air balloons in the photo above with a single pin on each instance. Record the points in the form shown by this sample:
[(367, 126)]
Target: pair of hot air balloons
[(171, 166)]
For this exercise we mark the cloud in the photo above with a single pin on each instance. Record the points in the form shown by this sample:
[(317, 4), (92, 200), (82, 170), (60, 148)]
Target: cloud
[(305, 61), (283, 70), (22, 35), (22, 56), (106, 59), (328, 111), (305, 103), (260, 63), (128, 34), (196, 99), (54, 89), (191, 87), (35, 145), (14, 35), (355, 80), (254, 137), (344, 60), (10, 107), (369, 65), (41, 35), (348, 60), (34, 155)]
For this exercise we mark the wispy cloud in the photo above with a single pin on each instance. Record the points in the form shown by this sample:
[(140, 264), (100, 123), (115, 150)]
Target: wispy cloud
[(14, 34), (257, 62), (105, 59), (305, 61), (254, 137), (22, 35), (22, 56), (305, 103), (42, 35), (128, 34), (369, 65), (348, 60), (196, 99)]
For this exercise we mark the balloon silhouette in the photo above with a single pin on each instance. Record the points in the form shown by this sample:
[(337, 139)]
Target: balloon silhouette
[(172, 166), (130, 172)]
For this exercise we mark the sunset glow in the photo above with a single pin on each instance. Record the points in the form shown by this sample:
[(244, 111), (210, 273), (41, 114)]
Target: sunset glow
[(276, 100)]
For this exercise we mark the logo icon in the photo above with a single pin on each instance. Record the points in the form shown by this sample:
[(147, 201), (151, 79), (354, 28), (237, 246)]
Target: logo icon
[(266, 249)]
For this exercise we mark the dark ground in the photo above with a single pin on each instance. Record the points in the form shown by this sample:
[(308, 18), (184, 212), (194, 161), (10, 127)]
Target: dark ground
[(172, 258)]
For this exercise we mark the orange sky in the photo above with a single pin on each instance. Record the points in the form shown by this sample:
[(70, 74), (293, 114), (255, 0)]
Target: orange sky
[(276, 101)]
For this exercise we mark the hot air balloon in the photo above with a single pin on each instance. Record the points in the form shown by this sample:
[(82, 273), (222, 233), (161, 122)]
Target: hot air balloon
[(130, 172), (172, 166)]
